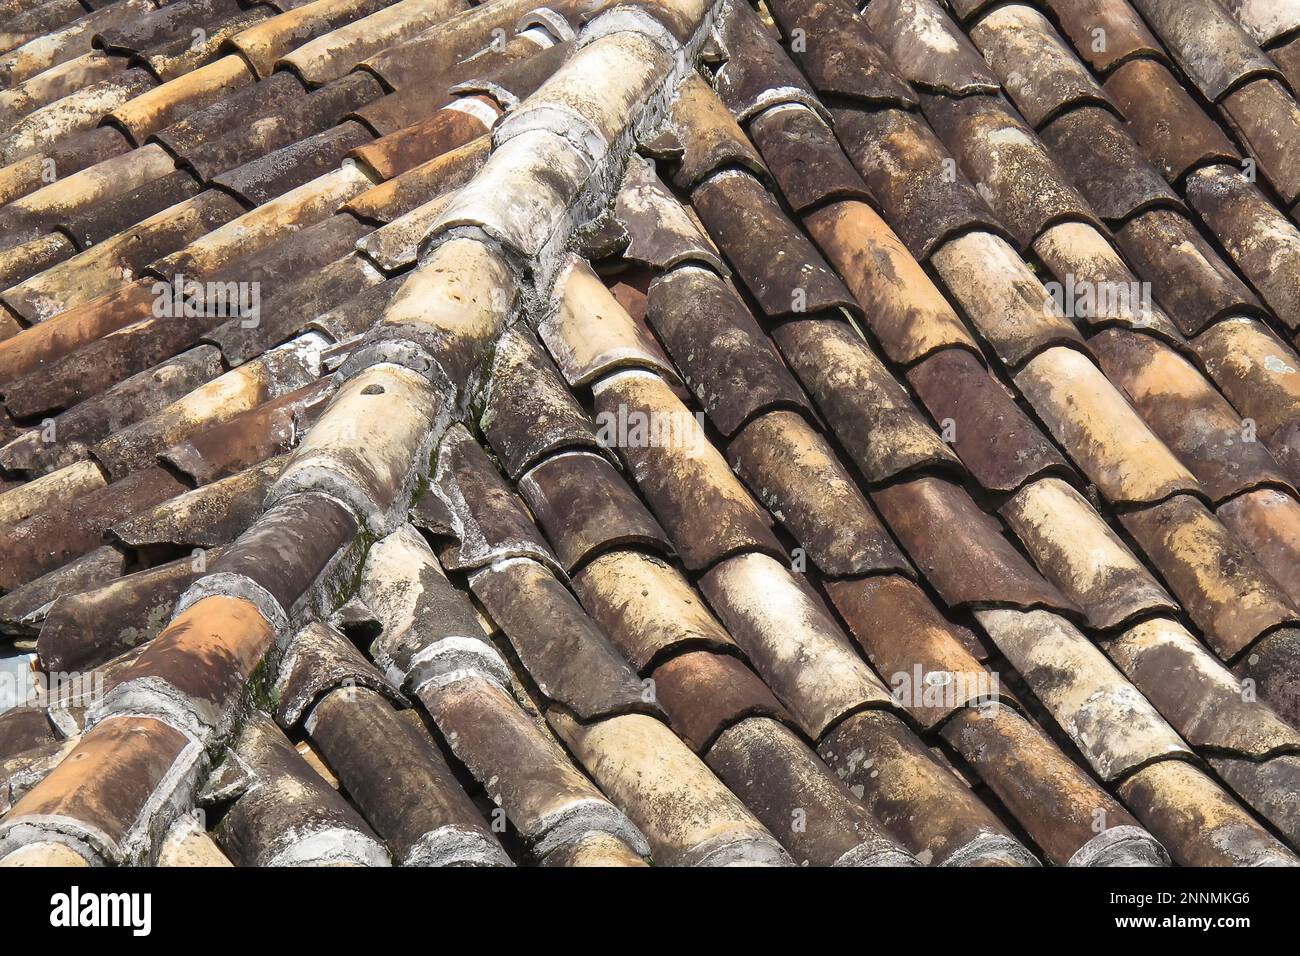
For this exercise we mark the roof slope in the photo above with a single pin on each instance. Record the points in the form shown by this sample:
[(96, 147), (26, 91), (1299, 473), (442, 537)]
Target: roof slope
[(651, 431)]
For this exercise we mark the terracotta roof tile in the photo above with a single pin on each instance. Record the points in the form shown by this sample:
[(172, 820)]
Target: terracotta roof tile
[(726, 360), (993, 436), (283, 813), (928, 513), (779, 777), (1172, 129), (1039, 72), (928, 48), (1008, 164), (1057, 803), (1266, 521), (913, 178), (705, 693), (779, 266), (934, 815), (799, 478), (647, 608), (93, 627), (866, 407), (901, 305), (1197, 820), (681, 475), (1078, 552), (1225, 592), (1099, 429)]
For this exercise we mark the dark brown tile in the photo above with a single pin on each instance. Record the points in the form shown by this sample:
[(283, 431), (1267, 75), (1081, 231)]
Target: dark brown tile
[(804, 156), (78, 429), (586, 507), (206, 517), (1104, 163), (287, 549), (490, 522), (280, 170), (403, 786), (704, 136), (1126, 37), (1013, 170), (839, 55), (800, 800), (23, 728), (1273, 664), (323, 299), (779, 266), (285, 814), (87, 630), (994, 438), (25, 609), (912, 177), (1187, 276), (1267, 118), (70, 529), (797, 475), (961, 550), (523, 768), (1263, 243), (727, 361), (705, 693), (109, 217), (757, 74), (928, 48), (318, 659), (868, 410), (528, 412), (1074, 821), (1170, 127)]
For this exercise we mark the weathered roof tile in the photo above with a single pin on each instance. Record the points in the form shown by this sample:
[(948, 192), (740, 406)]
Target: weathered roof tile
[(1225, 591), (1078, 552)]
